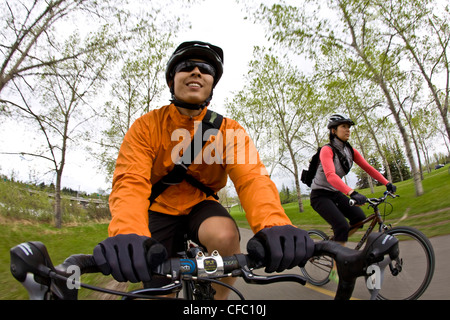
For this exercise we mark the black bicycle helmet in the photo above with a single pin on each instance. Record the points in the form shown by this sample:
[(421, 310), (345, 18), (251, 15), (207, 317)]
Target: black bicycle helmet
[(337, 119), (196, 50)]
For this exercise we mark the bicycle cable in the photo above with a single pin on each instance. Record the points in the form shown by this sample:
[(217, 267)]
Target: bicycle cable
[(56, 276), (385, 214), (239, 294)]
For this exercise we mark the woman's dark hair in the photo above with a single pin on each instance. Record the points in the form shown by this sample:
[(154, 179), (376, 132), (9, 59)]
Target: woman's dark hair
[(332, 135)]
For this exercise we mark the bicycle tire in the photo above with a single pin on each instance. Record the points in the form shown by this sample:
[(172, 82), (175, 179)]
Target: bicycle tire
[(417, 266), (317, 269)]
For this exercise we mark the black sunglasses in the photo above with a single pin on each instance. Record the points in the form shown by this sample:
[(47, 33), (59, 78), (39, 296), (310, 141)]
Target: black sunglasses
[(189, 65)]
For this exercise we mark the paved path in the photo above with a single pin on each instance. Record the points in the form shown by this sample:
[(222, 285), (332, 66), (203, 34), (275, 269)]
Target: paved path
[(438, 289)]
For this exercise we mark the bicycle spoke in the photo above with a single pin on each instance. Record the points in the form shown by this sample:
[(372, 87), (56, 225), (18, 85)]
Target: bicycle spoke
[(317, 269), (409, 276)]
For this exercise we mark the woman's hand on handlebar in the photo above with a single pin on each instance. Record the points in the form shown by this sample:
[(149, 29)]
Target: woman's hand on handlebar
[(358, 199), (391, 188), (129, 257)]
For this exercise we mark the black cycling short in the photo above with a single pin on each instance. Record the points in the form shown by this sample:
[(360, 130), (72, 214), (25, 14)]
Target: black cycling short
[(170, 230)]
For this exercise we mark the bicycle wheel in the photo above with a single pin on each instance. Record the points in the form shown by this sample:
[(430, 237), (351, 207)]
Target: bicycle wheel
[(318, 268), (413, 269)]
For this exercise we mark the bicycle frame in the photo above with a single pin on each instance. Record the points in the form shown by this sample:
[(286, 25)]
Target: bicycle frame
[(376, 219), (318, 268)]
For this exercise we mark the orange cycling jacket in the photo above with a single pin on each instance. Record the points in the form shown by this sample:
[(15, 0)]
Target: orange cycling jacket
[(149, 151)]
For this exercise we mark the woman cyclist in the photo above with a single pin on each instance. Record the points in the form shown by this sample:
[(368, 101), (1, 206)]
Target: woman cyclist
[(147, 155), (328, 190)]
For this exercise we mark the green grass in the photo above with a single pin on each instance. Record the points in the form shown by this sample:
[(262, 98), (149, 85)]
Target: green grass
[(60, 244)]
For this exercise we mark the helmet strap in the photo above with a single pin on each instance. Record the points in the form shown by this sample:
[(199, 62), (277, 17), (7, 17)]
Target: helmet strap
[(189, 106)]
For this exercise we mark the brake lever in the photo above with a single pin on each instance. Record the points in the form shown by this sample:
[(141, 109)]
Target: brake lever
[(172, 287), (250, 277)]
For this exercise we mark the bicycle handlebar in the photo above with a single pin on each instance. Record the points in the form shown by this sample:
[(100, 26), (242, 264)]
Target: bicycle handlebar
[(352, 264), (376, 201), (31, 265)]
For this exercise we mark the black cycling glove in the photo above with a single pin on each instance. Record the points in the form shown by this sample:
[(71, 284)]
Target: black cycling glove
[(391, 188), (281, 247), (360, 199), (129, 257)]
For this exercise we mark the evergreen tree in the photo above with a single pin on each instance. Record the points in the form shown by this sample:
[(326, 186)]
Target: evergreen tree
[(397, 162), (363, 176)]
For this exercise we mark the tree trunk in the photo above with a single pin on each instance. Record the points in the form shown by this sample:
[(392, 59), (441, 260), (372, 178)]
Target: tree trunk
[(299, 194), (416, 173), (378, 78), (58, 211)]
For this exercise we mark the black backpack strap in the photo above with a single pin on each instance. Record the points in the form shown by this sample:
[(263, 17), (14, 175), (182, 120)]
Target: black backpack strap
[(211, 120), (207, 190), (346, 165), (174, 177)]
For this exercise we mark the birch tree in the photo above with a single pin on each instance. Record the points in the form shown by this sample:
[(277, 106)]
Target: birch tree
[(59, 107), (351, 28), (424, 29), (279, 98), (27, 33)]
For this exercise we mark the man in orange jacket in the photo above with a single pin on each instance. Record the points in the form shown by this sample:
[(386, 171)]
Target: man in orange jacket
[(150, 150)]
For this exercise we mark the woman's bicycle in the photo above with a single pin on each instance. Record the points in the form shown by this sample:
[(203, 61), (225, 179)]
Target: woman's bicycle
[(31, 265), (406, 278)]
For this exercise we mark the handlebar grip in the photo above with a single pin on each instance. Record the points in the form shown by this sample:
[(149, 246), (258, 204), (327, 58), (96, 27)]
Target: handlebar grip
[(85, 262)]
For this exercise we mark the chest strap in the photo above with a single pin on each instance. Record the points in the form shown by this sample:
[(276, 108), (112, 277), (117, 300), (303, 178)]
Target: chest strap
[(210, 125)]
